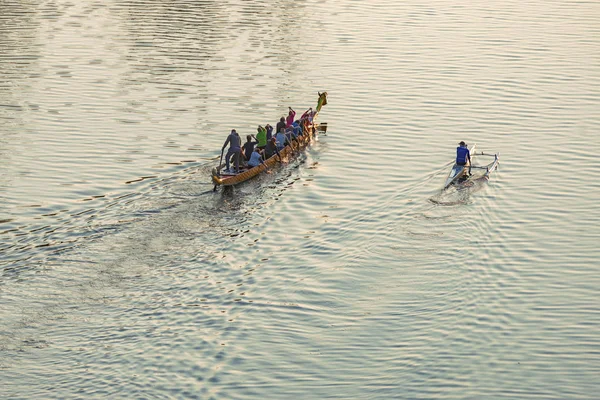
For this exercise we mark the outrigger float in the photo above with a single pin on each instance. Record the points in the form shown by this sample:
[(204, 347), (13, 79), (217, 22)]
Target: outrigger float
[(462, 173), (221, 177)]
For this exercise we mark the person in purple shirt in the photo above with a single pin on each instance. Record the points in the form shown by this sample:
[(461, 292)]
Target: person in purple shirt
[(269, 129), (235, 149)]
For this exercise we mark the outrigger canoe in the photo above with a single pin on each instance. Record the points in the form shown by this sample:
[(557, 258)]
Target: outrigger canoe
[(491, 166), (458, 171), (461, 173), (309, 131)]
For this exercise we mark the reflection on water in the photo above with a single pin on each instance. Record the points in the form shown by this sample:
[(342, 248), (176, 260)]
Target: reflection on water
[(346, 272)]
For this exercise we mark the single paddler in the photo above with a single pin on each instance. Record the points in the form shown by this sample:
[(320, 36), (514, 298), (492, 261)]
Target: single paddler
[(463, 155)]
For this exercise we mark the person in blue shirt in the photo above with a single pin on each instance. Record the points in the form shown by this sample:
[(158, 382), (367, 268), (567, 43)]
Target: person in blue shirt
[(282, 139), (463, 155), (297, 128), (256, 158)]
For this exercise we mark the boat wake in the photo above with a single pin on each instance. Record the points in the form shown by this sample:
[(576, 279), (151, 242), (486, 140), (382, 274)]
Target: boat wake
[(459, 193)]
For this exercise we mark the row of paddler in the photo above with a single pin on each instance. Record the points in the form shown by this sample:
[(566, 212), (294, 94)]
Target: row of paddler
[(264, 145)]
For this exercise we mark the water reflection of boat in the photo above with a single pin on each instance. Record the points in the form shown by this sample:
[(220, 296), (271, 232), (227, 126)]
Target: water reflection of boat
[(221, 177)]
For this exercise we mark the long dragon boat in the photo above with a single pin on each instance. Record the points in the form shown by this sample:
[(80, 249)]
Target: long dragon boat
[(309, 131)]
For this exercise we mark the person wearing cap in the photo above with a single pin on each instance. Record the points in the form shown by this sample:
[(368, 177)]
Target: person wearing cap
[(462, 154), (235, 149)]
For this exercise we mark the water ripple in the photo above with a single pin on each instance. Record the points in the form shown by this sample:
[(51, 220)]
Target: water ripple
[(124, 275)]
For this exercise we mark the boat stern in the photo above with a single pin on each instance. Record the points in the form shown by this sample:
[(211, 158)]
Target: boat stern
[(216, 178)]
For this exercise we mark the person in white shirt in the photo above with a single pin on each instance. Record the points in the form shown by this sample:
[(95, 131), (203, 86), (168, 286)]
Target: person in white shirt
[(281, 138), (256, 158)]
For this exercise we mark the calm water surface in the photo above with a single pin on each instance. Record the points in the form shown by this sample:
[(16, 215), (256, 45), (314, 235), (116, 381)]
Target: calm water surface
[(343, 274)]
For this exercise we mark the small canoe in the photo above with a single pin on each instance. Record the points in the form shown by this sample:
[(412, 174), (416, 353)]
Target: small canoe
[(309, 131), (458, 171)]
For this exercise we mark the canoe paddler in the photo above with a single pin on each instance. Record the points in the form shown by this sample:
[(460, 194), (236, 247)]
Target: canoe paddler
[(256, 159), (272, 149), (463, 155), (290, 118), (235, 148), (261, 137)]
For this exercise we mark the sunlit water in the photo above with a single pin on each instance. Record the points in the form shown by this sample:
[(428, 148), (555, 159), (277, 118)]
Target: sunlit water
[(124, 276)]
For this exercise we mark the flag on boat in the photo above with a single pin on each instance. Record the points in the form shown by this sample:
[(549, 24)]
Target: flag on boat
[(322, 101)]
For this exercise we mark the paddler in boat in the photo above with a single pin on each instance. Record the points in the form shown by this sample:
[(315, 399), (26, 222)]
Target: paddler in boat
[(261, 137), (249, 146), (291, 136), (272, 149), (304, 125), (282, 139), (235, 148), (290, 118), (297, 128), (256, 158), (280, 124), (463, 155), (308, 115)]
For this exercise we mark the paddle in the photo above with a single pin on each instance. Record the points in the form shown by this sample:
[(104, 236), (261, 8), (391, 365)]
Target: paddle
[(265, 164), (294, 138), (219, 169), (290, 142), (276, 151), (220, 161), (470, 163)]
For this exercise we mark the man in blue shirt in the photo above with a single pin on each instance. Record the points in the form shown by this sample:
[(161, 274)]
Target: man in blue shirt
[(463, 155)]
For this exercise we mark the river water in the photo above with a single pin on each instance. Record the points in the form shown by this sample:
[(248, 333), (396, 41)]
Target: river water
[(344, 273)]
